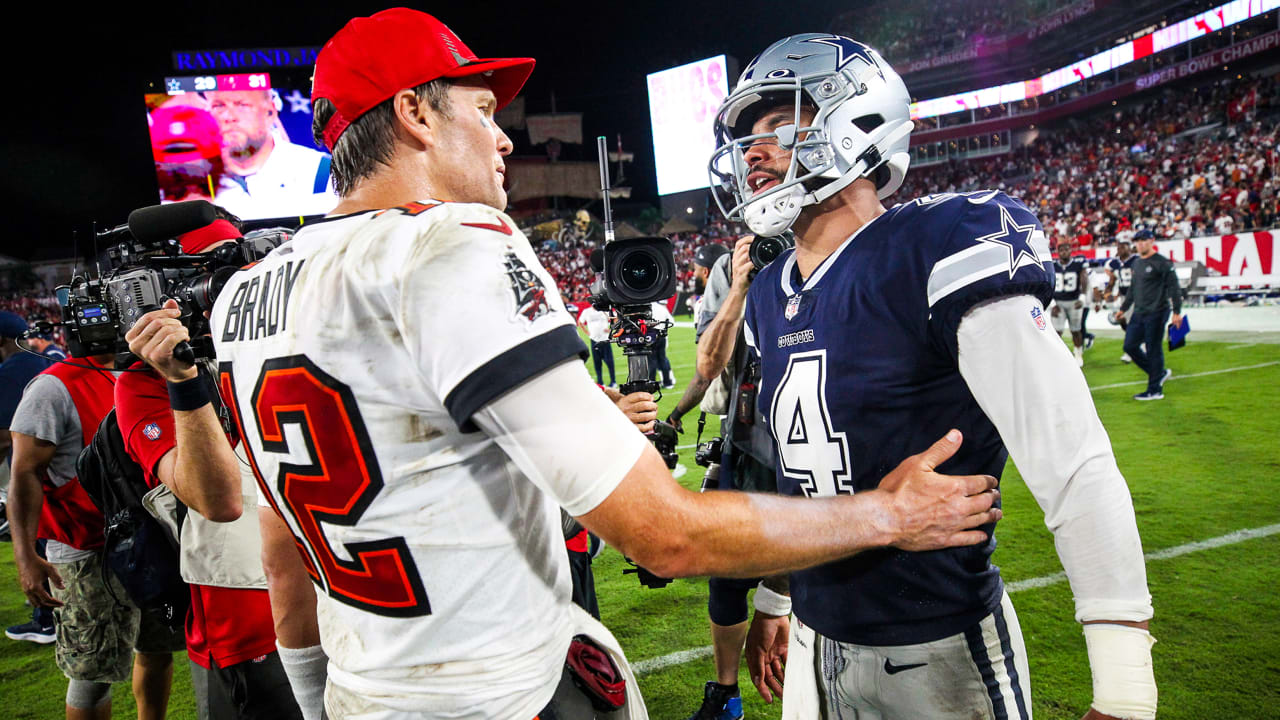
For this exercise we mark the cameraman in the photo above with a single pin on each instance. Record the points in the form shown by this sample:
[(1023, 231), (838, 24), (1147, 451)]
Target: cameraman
[(96, 635), (747, 463), (175, 426)]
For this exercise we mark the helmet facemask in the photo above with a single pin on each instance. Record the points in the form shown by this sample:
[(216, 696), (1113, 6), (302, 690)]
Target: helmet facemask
[(841, 143)]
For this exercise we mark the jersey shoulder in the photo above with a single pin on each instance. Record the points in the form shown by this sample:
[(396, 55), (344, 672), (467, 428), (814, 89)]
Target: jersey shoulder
[(977, 245)]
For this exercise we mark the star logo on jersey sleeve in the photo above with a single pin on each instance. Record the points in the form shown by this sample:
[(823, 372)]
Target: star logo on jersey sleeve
[(1019, 240)]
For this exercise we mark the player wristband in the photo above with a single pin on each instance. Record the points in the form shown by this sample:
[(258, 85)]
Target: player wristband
[(1124, 684), (188, 395), (771, 603)]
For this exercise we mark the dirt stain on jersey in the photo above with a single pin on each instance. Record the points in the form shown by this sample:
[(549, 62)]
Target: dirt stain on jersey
[(421, 431)]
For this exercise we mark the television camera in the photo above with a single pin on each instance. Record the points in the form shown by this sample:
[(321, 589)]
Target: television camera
[(147, 267)]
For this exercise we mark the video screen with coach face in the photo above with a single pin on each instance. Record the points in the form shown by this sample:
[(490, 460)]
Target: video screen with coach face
[(238, 142)]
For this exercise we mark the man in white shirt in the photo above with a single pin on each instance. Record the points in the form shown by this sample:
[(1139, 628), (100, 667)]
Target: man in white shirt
[(266, 175), (596, 323)]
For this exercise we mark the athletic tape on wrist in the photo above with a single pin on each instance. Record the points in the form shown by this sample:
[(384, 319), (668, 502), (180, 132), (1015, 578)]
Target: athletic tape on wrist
[(1124, 684), (190, 394), (771, 603)]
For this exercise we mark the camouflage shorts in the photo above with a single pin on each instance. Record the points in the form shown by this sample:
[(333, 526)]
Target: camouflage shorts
[(96, 632)]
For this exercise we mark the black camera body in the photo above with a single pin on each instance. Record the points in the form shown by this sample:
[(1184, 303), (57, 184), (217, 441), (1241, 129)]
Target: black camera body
[(765, 249), (709, 452), (633, 274), (142, 274)]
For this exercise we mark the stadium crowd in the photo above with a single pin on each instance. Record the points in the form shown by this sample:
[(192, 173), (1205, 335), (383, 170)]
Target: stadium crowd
[(1181, 163), (920, 29)]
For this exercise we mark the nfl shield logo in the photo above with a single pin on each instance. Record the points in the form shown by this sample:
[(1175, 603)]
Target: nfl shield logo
[(152, 431), (793, 306), (1038, 317)]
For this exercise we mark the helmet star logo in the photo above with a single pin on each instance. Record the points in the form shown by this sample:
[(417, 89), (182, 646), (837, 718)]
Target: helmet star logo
[(847, 50), (1018, 242)]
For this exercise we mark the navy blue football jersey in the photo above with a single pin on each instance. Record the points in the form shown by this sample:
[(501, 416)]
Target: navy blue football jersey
[(1123, 270), (860, 372), (1066, 278)]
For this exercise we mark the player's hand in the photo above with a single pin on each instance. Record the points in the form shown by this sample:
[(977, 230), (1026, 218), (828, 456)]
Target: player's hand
[(930, 511), (1117, 315), (1177, 320), (1056, 311), (741, 263), (154, 337), (674, 421), (640, 408), (31, 576), (1079, 303), (766, 652)]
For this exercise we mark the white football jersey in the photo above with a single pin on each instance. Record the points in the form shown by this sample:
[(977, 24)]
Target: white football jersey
[(357, 354)]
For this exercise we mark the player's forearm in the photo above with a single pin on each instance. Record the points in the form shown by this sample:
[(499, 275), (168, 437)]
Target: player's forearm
[(678, 533), (693, 394), (206, 472), (26, 499), (715, 347), (780, 584)]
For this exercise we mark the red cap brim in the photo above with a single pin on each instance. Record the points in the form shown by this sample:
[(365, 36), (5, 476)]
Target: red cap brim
[(505, 76)]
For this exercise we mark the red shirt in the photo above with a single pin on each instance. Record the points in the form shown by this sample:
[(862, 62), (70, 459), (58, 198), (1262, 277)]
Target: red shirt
[(68, 515), (225, 625)]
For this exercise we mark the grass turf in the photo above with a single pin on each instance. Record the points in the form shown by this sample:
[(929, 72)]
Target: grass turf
[(1200, 464)]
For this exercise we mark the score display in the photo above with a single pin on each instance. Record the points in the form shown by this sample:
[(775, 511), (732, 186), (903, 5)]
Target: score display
[(213, 83), (683, 102)]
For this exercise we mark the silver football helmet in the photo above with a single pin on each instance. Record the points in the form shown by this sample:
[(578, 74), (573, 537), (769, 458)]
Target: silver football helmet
[(860, 128)]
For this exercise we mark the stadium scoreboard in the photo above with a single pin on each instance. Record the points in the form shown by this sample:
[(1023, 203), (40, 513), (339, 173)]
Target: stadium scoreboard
[(212, 83)]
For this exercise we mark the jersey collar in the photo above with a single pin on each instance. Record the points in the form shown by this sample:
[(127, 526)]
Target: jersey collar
[(789, 268)]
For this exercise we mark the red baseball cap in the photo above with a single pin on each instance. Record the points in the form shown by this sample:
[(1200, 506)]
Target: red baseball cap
[(372, 58), (217, 231), (182, 133)]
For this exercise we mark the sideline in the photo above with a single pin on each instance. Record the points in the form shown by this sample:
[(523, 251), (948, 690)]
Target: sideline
[(645, 667)]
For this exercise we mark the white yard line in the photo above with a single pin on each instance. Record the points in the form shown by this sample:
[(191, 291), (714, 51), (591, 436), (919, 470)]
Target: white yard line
[(1240, 347), (1189, 375), (677, 658)]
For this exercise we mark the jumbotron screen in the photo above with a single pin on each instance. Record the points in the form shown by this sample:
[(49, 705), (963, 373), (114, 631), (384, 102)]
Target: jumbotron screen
[(682, 108), (240, 143)]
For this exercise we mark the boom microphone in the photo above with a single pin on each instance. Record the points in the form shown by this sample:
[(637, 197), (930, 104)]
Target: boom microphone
[(161, 222)]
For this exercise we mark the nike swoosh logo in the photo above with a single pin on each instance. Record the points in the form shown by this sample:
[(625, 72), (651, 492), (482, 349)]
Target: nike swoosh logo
[(800, 57), (895, 669), (499, 226)]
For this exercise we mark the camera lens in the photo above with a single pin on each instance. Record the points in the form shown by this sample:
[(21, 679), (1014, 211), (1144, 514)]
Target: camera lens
[(639, 272), (765, 250)]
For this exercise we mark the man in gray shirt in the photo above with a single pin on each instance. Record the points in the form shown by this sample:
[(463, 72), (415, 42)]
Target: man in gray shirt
[(747, 463), (1155, 287), (96, 635)]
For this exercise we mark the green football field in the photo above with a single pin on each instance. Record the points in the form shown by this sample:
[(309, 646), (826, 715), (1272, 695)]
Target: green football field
[(1204, 471)]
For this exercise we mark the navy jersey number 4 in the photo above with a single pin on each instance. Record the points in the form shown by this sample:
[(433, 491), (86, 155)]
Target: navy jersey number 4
[(860, 371), (810, 450)]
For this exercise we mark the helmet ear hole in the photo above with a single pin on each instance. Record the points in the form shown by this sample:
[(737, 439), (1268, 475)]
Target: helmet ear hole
[(868, 123)]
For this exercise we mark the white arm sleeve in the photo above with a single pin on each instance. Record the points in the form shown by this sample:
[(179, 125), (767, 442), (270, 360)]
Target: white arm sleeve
[(565, 435), (1026, 382)]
